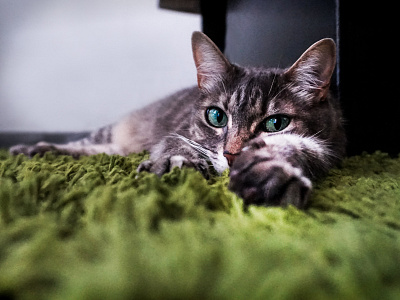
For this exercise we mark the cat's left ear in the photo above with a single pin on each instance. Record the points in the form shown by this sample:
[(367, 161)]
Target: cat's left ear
[(211, 64), (312, 72)]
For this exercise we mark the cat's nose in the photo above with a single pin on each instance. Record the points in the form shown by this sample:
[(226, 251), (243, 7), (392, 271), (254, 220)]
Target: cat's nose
[(230, 157)]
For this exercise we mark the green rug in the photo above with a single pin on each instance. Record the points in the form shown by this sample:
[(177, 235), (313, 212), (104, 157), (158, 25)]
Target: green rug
[(92, 229)]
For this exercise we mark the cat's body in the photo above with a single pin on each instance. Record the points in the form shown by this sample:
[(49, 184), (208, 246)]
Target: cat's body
[(277, 129)]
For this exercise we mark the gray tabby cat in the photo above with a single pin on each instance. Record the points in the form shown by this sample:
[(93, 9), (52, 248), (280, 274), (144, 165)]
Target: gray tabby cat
[(277, 129)]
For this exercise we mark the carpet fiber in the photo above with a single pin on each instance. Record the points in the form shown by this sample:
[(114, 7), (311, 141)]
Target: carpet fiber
[(94, 229)]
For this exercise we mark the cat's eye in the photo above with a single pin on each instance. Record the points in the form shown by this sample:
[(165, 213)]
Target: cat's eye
[(216, 117), (276, 123)]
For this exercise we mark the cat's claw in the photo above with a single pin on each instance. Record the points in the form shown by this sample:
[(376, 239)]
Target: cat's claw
[(145, 166), (268, 182), (166, 164)]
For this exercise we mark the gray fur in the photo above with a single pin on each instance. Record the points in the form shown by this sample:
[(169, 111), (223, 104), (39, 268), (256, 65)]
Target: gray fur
[(268, 168)]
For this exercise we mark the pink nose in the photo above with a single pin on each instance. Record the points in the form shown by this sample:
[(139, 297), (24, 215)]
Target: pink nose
[(230, 157)]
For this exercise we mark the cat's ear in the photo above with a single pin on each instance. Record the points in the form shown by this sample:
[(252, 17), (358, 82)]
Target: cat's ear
[(211, 64), (312, 72)]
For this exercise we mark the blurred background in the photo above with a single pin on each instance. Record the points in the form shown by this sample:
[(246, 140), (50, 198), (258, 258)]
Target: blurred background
[(79, 64), (71, 66)]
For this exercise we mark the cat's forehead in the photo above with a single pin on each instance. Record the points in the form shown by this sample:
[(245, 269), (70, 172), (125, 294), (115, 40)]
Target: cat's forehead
[(258, 76), (253, 90)]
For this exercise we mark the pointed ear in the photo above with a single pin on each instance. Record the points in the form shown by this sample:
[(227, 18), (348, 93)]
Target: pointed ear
[(312, 72), (211, 64)]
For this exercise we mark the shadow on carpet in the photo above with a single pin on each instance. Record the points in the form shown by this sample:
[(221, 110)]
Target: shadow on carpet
[(94, 229)]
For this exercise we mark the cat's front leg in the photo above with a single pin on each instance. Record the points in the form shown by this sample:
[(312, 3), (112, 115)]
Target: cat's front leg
[(278, 170)]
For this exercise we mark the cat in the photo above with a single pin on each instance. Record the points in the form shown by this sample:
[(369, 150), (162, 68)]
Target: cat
[(276, 129)]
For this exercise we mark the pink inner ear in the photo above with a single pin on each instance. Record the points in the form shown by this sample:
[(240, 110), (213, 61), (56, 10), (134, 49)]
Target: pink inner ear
[(313, 70), (327, 61), (199, 80)]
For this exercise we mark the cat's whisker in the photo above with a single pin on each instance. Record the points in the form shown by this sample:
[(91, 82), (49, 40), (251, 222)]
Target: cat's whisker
[(272, 84), (282, 90), (196, 146), (212, 157), (223, 84)]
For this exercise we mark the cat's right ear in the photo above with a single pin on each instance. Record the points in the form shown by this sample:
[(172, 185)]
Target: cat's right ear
[(211, 64), (312, 72)]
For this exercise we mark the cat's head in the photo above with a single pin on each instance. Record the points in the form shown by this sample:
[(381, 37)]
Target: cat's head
[(238, 104)]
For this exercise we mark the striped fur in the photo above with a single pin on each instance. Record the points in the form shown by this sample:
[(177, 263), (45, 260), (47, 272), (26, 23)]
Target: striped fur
[(268, 168)]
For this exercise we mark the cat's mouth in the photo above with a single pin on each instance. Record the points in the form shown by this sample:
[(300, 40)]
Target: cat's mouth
[(217, 158)]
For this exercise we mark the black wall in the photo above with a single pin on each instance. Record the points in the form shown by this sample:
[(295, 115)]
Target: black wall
[(368, 76)]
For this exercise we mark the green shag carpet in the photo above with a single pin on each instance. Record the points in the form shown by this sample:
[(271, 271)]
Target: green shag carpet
[(94, 229)]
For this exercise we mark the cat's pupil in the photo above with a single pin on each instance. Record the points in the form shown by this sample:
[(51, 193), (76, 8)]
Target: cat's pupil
[(277, 123), (216, 115)]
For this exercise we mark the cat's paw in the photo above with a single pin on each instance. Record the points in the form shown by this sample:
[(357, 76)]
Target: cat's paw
[(259, 178), (31, 150), (166, 163)]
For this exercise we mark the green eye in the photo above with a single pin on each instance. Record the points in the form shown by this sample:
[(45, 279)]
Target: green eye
[(216, 117), (276, 123)]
